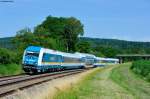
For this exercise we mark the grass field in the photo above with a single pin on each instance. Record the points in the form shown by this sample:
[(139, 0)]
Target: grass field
[(113, 82), (123, 76), (10, 69)]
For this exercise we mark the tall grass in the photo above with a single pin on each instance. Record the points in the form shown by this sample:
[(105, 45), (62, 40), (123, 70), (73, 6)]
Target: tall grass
[(10, 69), (142, 68)]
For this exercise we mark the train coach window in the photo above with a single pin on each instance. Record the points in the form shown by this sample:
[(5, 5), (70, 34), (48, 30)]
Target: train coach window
[(71, 60), (50, 58)]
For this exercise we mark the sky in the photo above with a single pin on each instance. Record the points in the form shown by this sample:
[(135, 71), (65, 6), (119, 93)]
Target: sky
[(117, 19)]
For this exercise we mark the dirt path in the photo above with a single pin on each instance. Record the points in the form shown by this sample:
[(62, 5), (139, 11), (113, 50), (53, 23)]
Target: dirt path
[(105, 88)]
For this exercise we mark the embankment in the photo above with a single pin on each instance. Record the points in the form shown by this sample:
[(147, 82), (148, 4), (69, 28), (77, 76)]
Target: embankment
[(49, 89)]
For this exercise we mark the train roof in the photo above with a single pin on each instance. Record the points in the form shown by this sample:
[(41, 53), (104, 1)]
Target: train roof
[(113, 59), (71, 55), (109, 59), (85, 55), (33, 48), (100, 58)]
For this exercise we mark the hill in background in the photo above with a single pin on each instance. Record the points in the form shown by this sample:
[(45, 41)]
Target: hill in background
[(114, 43), (121, 46)]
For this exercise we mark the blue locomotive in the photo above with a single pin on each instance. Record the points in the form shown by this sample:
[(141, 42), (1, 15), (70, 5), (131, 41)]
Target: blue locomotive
[(37, 60)]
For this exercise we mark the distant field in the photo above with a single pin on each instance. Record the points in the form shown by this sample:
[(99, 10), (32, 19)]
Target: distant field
[(113, 82)]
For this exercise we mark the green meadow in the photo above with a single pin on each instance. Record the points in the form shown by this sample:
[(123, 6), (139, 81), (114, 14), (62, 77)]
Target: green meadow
[(112, 82)]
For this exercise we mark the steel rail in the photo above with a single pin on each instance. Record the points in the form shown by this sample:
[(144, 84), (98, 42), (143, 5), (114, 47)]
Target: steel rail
[(12, 77), (1, 77), (11, 86)]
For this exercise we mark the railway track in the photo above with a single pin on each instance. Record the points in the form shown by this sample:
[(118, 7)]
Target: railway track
[(10, 85), (5, 78)]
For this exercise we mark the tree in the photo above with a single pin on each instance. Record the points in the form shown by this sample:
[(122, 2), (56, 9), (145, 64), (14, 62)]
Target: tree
[(64, 30), (106, 51), (24, 38), (7, 57), (73, 29), (55, 33), (51, 27), (83, 47), (45, 38)]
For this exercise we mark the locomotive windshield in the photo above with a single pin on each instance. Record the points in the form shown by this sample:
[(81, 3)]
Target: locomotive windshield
[(32, 54)]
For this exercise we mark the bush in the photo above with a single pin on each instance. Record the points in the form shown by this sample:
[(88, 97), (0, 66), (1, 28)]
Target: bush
[(10, 69), (7, 56), (142, 68)]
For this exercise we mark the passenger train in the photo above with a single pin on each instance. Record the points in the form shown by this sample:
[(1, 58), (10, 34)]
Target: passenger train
[(38, 60)]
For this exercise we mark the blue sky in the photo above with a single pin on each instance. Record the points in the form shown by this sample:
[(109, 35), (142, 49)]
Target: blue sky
[(118, 19)]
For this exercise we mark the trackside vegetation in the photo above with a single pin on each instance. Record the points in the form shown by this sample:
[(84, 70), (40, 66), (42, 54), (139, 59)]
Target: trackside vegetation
[(7, 56), (134, 84), (10, 69), (9, 63), (79, 90), (97, 85), (142, 67), (112, 82)]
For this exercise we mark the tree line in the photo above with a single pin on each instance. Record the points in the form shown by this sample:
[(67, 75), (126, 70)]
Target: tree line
[(112, 47), (65, 34), (58, 33)]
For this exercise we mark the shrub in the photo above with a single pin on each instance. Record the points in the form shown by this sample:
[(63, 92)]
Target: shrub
[(142, 67), (7, 56), (10, 69)]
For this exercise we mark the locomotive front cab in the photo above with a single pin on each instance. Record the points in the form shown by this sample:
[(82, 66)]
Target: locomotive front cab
[(30, 59)]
